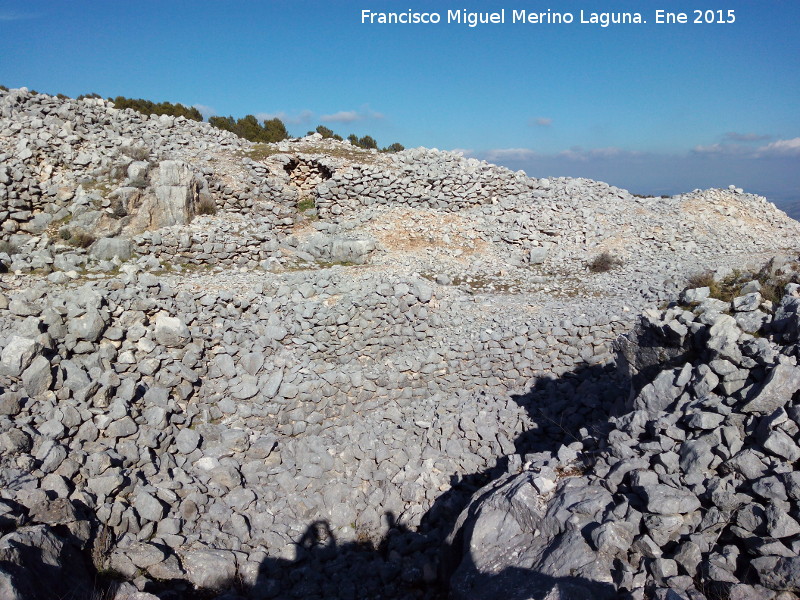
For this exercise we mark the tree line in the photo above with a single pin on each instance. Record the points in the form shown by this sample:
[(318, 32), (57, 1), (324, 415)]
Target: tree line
[(247, 127), (367, 142), (147, 107)]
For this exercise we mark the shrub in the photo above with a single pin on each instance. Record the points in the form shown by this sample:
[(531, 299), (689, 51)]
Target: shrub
[(161, 108), (699, 280), (306, 204), (89, 96), (248, 127), (275, 130), (81, 239), (367, 142), (327, 133), (394, 148), (604, 262), (725, 289), (3, 88), (206, 206)]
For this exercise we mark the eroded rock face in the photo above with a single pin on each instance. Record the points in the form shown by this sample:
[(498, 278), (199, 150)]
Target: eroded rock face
[(37, 564), (177, 191)]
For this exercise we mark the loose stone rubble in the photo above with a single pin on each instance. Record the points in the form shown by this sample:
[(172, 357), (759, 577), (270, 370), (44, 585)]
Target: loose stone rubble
[(282, 371), (691, 492)]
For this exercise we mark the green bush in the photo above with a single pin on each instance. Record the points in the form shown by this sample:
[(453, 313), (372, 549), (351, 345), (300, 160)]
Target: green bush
[(89, 96), (367, 142), (248, 127), (147, 107), (3, 88), (327, 133), (306, 204)]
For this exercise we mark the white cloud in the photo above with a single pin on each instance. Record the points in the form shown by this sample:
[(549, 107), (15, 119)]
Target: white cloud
[(343, 116), (746, 137), (722, 150), (781, 148), (206, 111), (500, 154), (467, 153), (540, 122), (790, 147), (304, 116), (352, 116)]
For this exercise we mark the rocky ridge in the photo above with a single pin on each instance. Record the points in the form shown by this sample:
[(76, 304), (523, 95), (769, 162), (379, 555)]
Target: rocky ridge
[(298, 394), (690, 492)]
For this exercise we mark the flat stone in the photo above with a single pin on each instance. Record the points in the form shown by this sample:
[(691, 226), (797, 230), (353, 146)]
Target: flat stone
[(18, 355), (187, 440), (210, 569), (664, 500), (171, 331), (781, 384)]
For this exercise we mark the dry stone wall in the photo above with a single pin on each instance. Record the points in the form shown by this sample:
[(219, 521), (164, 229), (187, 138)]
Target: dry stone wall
[(276, 401)]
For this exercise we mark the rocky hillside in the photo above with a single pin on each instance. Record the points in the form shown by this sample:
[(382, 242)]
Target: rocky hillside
[(237, 370)]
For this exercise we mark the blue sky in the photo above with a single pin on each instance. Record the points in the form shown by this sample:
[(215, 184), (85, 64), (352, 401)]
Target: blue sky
[(654, 108)]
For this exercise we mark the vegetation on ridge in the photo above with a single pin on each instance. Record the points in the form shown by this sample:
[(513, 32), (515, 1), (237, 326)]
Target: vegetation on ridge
[(248, 127), (729, 287), (367, 142), (161, 108)]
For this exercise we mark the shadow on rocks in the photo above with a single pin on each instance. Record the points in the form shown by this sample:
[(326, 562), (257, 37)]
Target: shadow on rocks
[(418, 564), (325, 569), (567, 410)]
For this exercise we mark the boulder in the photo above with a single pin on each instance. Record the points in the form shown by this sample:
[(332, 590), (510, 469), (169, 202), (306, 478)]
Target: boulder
[(210, 569), (783, 381), (171, 331), (37, 564), (177, 191), (18, 355), (108, 248)]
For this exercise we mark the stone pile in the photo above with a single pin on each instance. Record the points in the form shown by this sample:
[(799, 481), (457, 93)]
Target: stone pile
[(73, 171), (157, 408), (691, 492), (282, 370), (48, 146)]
